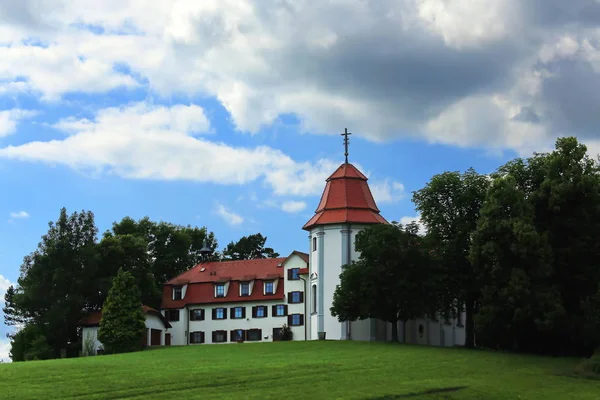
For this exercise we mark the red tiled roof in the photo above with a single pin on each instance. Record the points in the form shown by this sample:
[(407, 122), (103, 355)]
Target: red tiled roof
[(216, 271), (93, 318), (346, 199), (201, 278), (303, 271)]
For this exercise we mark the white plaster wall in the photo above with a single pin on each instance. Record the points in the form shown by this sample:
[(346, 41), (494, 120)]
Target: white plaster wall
[(332, 247), (178, 328), (265, 324), (153, 322)]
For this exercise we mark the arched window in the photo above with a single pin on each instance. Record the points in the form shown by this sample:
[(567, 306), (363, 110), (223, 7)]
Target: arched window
[(314, 298)]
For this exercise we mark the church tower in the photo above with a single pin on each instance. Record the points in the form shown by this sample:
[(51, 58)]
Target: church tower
[(346, 207)]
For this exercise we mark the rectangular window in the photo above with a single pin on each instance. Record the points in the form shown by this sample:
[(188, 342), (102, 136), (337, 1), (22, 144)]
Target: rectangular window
[(219, 336), (244, 289), (197, 337), (197, 315), (293, 274), (238, 312), (295, 297), (314, 299), (259, 312), (172, 315), (220, 290), (237, 335), (177, 290), (219, 313), (295, 320), (269, 288), (253, 335), (314, 244), (280, 310)]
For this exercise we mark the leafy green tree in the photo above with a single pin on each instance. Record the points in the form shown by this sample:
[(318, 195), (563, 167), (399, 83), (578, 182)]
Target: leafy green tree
[(248, 248), (122, 326), (449, 206), (563, 187), (391, 281), (513, 262), (130, 253), (56, 281), (172, 249)]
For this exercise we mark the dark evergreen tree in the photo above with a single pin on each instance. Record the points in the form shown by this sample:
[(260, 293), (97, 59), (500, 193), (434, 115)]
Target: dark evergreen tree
[(122, 326)]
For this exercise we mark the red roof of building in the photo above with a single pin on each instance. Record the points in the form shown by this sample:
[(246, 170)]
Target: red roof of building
[(201, 278), (346, 199)]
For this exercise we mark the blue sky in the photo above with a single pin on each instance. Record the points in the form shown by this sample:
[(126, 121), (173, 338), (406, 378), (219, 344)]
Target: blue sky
[(228, 114)]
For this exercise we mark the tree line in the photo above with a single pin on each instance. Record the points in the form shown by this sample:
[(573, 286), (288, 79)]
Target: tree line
[(71, 272), (518, 250)]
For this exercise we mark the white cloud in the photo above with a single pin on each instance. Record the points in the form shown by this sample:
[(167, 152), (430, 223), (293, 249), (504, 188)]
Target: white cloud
[(229, 216), (417, 218), (10, 118), (4, 285), (293, 206), (387, 191), (19, 214), (503, 74), (5, 350)]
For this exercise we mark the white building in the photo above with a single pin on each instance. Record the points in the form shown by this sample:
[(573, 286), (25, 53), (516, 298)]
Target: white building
[(156, 328), (250, 300)]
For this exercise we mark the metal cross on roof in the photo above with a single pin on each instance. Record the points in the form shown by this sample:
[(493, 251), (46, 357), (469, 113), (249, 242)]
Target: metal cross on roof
[(346, 141)]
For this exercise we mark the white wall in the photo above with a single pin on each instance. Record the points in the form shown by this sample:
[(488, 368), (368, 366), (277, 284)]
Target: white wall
[(93, 331), (153, 322)]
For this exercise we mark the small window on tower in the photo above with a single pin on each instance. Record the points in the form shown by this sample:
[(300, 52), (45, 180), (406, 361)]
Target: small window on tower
[(314, 244)]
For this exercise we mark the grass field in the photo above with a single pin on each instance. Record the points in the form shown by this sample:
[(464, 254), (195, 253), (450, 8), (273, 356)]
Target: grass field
[(298, 370)]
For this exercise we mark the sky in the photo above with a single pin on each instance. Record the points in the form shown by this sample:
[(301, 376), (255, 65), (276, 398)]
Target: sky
[(228, 113)]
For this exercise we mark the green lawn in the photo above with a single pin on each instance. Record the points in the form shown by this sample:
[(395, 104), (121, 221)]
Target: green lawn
[(298, 370)]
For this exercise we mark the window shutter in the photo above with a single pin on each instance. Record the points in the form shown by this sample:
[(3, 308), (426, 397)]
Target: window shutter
[(289, 297), (232, 312), (285, 309), (202, 314), (213, 336), (202, 337), (243, 312), (301, 319), (259, 334), (301, 297), (214, 313), (266, 311), (254, 312), (274, 309), (232, 335), (289, 320), (289, 274), (224, 313)]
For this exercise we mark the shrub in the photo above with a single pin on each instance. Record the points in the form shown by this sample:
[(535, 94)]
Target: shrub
[(286, 333), (123, 321)]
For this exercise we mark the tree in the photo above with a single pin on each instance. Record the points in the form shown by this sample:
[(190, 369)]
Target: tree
[(130, 253), (449, 206), (172, 249), (512, 260), (248, 248), (563, 189), (56, 281), (122, 326), (391, 280)]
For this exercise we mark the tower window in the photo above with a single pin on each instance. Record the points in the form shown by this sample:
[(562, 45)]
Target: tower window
[(314, 298), (314, 244)]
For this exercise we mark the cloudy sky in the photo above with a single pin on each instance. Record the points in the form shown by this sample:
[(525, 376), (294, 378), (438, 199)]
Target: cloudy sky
[(227, 113)]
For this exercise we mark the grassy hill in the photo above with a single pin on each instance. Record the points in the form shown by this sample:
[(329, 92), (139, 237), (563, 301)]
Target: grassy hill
[(298, 370)]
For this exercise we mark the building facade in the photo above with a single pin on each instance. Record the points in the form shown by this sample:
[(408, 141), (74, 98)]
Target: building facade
[(233, 301)]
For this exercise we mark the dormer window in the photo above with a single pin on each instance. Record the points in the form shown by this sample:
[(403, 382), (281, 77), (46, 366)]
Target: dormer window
[(269, 288), (177, 293), (245, 289), (220, 290)]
